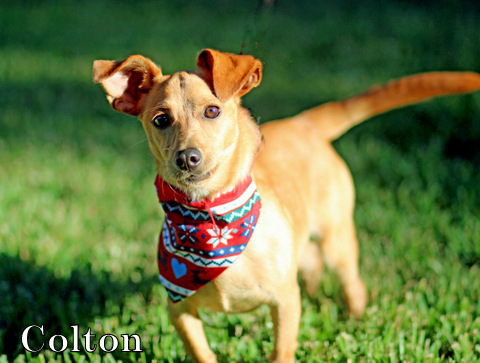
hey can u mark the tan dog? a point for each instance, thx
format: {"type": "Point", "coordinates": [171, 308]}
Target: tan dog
{"type": "Point", "coordinates": [204, 143]}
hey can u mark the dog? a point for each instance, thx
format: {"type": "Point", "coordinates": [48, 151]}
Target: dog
{"type": "Point", "coordinates": [265, 203]}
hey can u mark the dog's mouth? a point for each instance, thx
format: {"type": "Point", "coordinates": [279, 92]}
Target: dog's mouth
{"type": "Point", "coordinates": [193, 179]}
{"type": "Point", "coordinates": [196, 178]}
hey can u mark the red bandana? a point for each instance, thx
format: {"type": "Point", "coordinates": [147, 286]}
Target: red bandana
{"type": "Point", "coordinates": [200, 240]}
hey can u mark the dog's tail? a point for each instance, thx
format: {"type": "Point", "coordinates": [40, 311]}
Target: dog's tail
{"type": "Point", "coordinates": [335, 118]}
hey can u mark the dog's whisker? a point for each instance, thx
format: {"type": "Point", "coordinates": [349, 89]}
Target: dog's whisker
{"type": "Point", "coordinates": [136, 144]}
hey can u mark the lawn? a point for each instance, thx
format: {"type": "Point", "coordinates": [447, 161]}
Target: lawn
{"type": "Point", "coordinates": [78, 211]}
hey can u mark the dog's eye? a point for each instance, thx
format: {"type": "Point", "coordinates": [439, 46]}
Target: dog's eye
{"type": "Point", "coordinates": [161, 121]}
{"type": "Point", "coordinates": [211, 112]}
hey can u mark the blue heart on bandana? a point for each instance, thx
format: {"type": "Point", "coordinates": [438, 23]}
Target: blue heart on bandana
{"type": "Point", "coordinates": [179, 269]}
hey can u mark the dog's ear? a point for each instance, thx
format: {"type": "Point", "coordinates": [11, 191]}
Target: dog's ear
{"type": "Point", "coordinates": [126, 82]}
{"type": "Point", "coordinates": [229, 74]}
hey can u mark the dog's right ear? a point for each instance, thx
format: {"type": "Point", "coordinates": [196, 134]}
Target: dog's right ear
{"type": "Point", "coordinates": [126, 82]}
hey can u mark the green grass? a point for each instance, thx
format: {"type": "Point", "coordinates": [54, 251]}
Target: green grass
{"type": "Point", "coordinates": [78, 212]}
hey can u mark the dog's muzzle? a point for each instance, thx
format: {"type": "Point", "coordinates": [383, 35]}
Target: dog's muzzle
{"type": "Point", "coordinates": [188, 159]}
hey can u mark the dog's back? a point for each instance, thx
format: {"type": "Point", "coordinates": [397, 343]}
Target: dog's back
{"type": "Point", "coordinates": [298, 148]}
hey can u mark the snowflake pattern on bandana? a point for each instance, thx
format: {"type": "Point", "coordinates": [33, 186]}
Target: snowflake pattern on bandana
{"type": "Point", "coordinates": [200, 240]}
{"type": "Point", "coordinates": [187, 233]}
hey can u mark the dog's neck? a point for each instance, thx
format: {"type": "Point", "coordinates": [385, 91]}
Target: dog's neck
{"type": "Point", "coordinates": [246, 149]}
{"type": "Point", "coordinates": [168, 193]}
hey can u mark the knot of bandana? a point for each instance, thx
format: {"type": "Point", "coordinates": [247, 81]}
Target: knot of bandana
{"type": "Point", "coordinates": [201, 239]}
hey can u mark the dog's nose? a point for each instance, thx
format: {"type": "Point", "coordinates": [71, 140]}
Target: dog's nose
{"type": "Point", "coordinates": [188, 159]}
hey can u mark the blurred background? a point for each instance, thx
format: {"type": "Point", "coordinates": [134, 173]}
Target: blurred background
{"type": "Point", "coordinates": [78, 212]}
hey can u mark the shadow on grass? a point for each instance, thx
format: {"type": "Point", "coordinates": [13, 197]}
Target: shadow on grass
{"type": "Point", "coordinates": [33, 295]}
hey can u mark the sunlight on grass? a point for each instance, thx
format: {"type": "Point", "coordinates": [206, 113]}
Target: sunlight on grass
{"type": "Point", "coordinates": [24, 66]}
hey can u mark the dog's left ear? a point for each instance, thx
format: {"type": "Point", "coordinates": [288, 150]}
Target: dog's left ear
{"type": "Point", "coordinates": [126, 82]}
{"type": "Point", "coordinates": [229, 74]}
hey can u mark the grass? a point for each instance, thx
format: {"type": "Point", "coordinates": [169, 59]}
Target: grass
{"type": "Point", "coordinates": [78, 212]}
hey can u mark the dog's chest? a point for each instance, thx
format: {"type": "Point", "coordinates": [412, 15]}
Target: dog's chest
{"type": "Point", "coordinates": [237, 290]}
{"type": "Point", "coordinates": [258, 274]}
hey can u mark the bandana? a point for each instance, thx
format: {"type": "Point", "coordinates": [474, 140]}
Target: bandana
{"type": "Point", "coordinates": [201, 239]}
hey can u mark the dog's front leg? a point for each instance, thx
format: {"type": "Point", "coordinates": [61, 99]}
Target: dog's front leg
{"type": "Point", "coordinates": [286, 319]}
{"type": "Point", "coordinates": [190, 329]}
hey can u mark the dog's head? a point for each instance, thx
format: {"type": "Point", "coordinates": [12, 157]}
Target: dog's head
{"type": "Point", "coordinates": [202, 140]}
